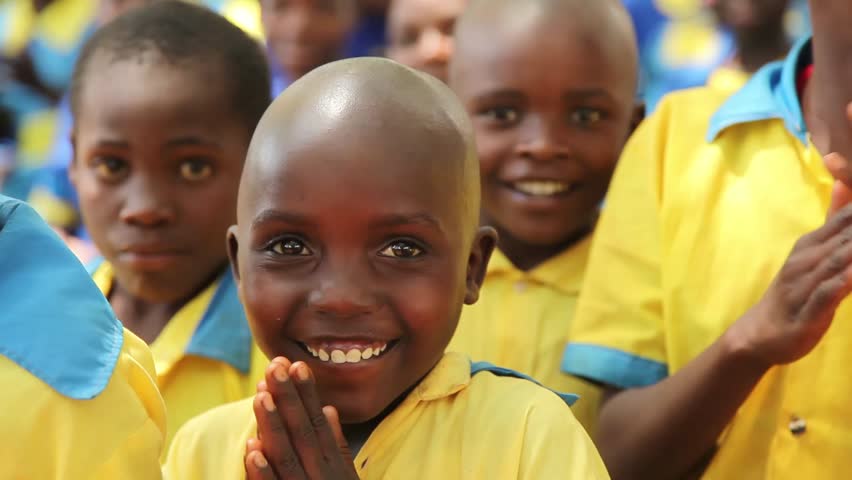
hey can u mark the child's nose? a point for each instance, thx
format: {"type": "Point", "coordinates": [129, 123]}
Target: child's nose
{"type": "Point", "coordinates": [435, 45]}
{"type": "Point", "coordinates": [541, 141]}
{"type": "Point", "coordinates": [146, 206]}
{"type": "Point", "coordinates": [342, 296]}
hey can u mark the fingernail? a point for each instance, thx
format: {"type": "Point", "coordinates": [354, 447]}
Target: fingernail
{"type": "Point", "coordinates": [280, 373]}
{"type": "Point", "coordinates": [302, 372]}
{"type": "Point", "coordinates": [259, 461]}
{"type": "Point", "coordinates": [267, 402]}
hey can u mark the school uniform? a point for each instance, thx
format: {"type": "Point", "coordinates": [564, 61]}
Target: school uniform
{"type": "Point", "coordinates": [522, 319]}
{"type": "Point", "coordinates": [205, 355]}
{"type": "Point", "coordinates": [705, 207]}
{"type": "Point", "coordinates": [79, 396]}
{"type": "Point", "coordinates": [463, 421]}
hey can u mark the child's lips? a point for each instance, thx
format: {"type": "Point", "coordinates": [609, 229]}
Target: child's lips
{"type": "Point", "coordinates": [347, 351]}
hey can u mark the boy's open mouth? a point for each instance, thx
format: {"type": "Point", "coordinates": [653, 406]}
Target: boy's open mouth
{"type": "Point", "coordinates": [542, 188]}
{"type": "Point", "coordinates": [348, 351]}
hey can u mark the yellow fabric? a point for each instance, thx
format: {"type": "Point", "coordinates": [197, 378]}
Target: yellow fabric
{"type": "Point", "coordinates": [191, 384]}
{"type": "Point", "coordinates": [727, 80]}
{"type": "Point", "coordinates": [450, 427]}
{"type": "Point", "coordinates": [55, 211]}
{"type": "Point", "coordinates": [118, 434]}
{"type": "Point", "coordinates": [63, 23]}
{"type": "Point", "coordinates": [692, 236]}
{"type": "Point", "coordinates": [522, 319]}
{"type": "Point", "coordinates": [19, 18]}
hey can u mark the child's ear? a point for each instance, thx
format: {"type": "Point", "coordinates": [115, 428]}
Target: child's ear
{"type": "Point", "coordinates": [477, 263]}
{"type": "Point", "coordinates": [233, 249]}
{"type": "Point", "coordinates": [639, 112]}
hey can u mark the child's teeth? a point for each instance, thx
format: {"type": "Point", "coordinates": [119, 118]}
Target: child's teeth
{"type": "Point", "coordinates": [323, 355]}
{"type": "Point", "coordinates": [338, 356]}
{"type": "Point", "coordinates": [353, 356]}
{"type": "Point", "coordinates": [366, 354]}
{"type": "Point", "coordinates": [542, 187]}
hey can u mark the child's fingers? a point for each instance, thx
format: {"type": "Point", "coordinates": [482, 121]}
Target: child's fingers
{"type": "Point", "coordinates": [296, 420]}
{"type": "Point", "coordinates": [275, 439]}
{"type": "Point", "coordinates": [333, 419]}
{"type": "Point", "coordinates": [257, 468]}
{"type": "Point", "coordinates": [306, 386]}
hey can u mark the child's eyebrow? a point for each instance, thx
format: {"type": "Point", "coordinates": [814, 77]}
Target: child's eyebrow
{"type": "Point", "coordinates": [397, 220]}
{"type": "Point", "coordinates": [277, 216]}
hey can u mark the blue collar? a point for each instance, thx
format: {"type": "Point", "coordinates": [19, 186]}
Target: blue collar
{"type": "Point", "coordinates": [55, 322]}
{"type": "Point", "coordinates": [770, 94]}
{"type": "Point", "coordinates": [477, 367]}
{"type": "Point", "coordinates": [223, 333]}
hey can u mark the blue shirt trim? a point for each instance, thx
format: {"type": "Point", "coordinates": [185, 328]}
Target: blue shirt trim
{"type": "Point", "coordinates": [224, 333]}
{"type": "Point", "coordinates": [611, 367]}
{"type": "Point", "coordinates": [55, 322]}
{"type": "Point", "coordinates": [770, 94]}
{"type": "Point", "coordinates": [476, 367]}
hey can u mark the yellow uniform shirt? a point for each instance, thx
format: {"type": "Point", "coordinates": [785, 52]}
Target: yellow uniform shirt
{"type": "Point", "coordinates": [79, 397]}
{"type": "Point", "coordinates": [704, 209]}
{"type": "Point", "coordinates": [727, 80]}
{"type": "Point", "coordinates": [453, 425]}
{"type": "Point", "coordinates": [205, 356]}
{"type": "Point", "coordinates": [521, 322]}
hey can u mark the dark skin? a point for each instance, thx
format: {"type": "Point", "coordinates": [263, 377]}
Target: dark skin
{"type": "Point", "coordinates": [157, 157]}
{"type": "Point", "coordinates": [420, 33]}
{"type": "Point", "coordinates": [665, 430]}
{"type": "Point", "coordinates": [388, 260]}
{"type": "Point", "coordinates": [552, 102]}
{"type": "Point", "coordinates": [758, 27]}
{"type": "Point", "coordinates": [304, 34]}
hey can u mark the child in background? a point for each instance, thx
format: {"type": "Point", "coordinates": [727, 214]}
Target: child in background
{"type": "Point", "coordinates": [420, 33]}
{"type": "Point", "coordinates": [304, 34]}
{"type": "Point", "coordinates": [715, 305]}
{"type": "Point", "coordinates": [81, 400]}
{"type": "Point", "coordinates": [550, 86]}
{"type": "Point", "coordinates": [353, 259]}
{"type": "Point", "coordinates": [758, 30]}
{"type": "Point", "coordinates": [165, 100]}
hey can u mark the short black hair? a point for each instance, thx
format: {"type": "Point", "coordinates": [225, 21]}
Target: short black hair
{"type": "Point", "coordinates": [184, 34]}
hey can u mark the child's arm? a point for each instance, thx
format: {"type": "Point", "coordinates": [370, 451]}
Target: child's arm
{"type": "Point", "coordinates": [664, 430]}
{"type": "Point", "coordinates": [299, 439]}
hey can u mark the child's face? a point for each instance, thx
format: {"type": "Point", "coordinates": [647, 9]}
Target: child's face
{"type": "Point", "coordinates": [552, 110]}
{"type": "Point", "coordinates": [304, 34]}
{"type": "Point", "coordinates": [748, 14]}
{"type": "Point", "coordinates": [158, 155]}
{"type": "Point", "coordinates": [421, 33]}
{"type": "Point", "coordinates": [353, 255]}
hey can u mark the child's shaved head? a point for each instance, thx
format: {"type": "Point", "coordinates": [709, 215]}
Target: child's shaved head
{"type": "Point", "coordinates": [604, 24]}
{"type": "Point", "coordinates": [357, 238]}
{"type": "Point", "coordinates": [370, 97]}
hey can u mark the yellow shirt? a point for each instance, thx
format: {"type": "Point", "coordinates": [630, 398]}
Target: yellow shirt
{"type": "Point", "coordinates": [452, 426]}
{"type": "Point", "coordinates": [521, 322]}
{"type": "Point", "coordinates": [727, 80]}
{"type": "Point", "coordinates": [79, 398]}
{"type": "Point", "coordinates": [694, 231]}
{"type": "Point", "coordinates": [205, 356]}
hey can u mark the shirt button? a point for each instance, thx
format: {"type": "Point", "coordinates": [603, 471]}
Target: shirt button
{"type": "Point", "coordinates": [520, 286]}
{"type": "Point", "coordinates": [798, 426]}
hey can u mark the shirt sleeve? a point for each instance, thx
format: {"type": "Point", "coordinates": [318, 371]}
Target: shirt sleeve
{"type": "Point", "coordinates": [617, 336]}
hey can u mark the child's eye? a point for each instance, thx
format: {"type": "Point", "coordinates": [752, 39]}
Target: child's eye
{"type": "Point", "coordinates": [195, 170]}
{"type": "Point", "coordinates": [586, 116]}
{"type": "Point", "coordinates": [291, 246]}
{"type": "Point", "coordinates": [109, 168]}
{"type": "Point", "coordinates": [401, 249]}
{"type": "Point", "coordinates": [502, 114]}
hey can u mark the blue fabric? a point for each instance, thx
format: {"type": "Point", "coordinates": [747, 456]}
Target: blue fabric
{"type": "Point", "coordinates": [55, 322]}
{"type": "Point", "coordinates": [223, 333]}
{"type": "Point", "coordinates": [611, 367]}
{"type": "Point", "coordinates": [476, 367]}
{"type": "Point", "coordinates": [368, 38]}
{"type": "Point", "coordinates": [770, 94]}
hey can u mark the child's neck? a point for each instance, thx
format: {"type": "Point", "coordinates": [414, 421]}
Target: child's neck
{"type": "Point", "coordinates": [526, 256]}
{"type": "Point", "coordinates": [756, 48]}
{"type": "Point", "coordinates": [146, 320]}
